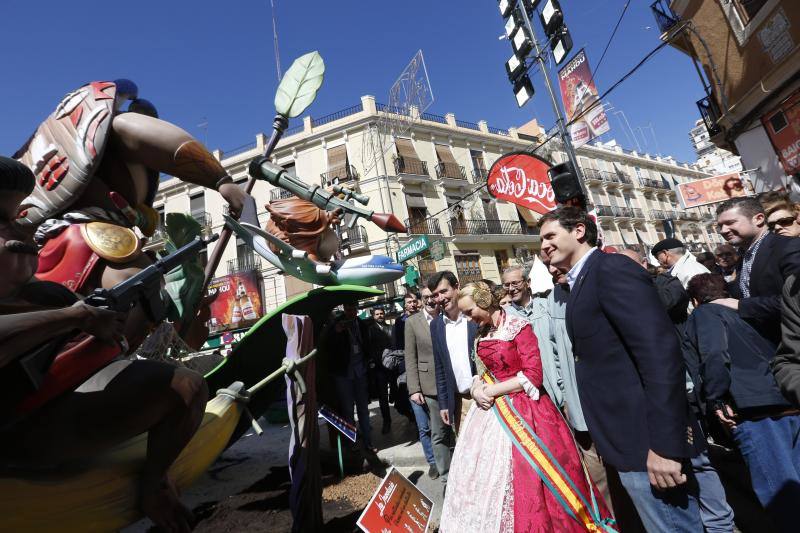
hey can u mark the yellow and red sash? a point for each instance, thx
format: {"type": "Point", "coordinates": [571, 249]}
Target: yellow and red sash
{"type": "Point", "coordinates": [545, 465]}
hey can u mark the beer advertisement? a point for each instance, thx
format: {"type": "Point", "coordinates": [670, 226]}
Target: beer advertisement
{"type": "Point", "coordinates": [578, 93]}
{"type": "Point", "coordinates": [238, 303]}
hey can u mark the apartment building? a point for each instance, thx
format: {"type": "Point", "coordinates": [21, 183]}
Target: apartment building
{"type": "Point", "coordinates": [421, 173]}
{"type": "Point", "coordinates": [710, 157]}
{"type": "Point", "coordinates": [747, 54]}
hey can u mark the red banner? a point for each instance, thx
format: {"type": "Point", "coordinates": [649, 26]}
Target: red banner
{"type": "Point", "coordinates": [521, 178]}
{"type": "Point", "coordinates": [783, 128]}
{"type": "Point", "coordinates": [579, 94]}
{"type": "Point", "coordinates": [239, 303]}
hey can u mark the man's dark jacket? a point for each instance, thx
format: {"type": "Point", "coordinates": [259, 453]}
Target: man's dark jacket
{"type": "Point", "coordinates": [446, 388]}
{"type": "Point", "coordinates": [786, 364]}
{"type": "Point", "coordinates": [628, 364]}
{"type": "Point", "coordinates": [778, 257]}
{"type": "Point", "coordinates": [336, 346]}
{"type": "Point", "coordinates": [734, 359]}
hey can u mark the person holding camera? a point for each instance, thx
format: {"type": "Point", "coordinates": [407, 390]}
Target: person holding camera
{"type": "Point", "coordinates": [347, 345]}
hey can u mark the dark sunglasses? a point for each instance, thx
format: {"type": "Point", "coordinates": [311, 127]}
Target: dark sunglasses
{"type": "Point", "coordinates": [782, 222]}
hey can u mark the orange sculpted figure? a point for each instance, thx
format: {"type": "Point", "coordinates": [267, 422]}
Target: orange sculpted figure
{"type": "Point", "coordinates": [304, 226]}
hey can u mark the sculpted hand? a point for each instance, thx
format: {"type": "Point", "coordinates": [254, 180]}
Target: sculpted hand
{"type": "Point", "coordinates": [445, 414]}
{"type": "Point", "coordinates": [664, 473]}
{"type": "Point", "coordinates": [417, 398]}
{"type": "Point", "coordinates": [235, 196]}
{"type": "Point", "coordinates": [108, 326]}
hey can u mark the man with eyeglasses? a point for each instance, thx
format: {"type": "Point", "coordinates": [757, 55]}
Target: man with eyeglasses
{"type": "Point", "coordinates": [727, 259]}
{"type": "Point", "coordinates": [533, 308]}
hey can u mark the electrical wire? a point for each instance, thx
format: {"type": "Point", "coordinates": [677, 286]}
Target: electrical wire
{"type": "Point", "coordinates": [611, 38]}
{"type": "Point", "coordinates": [533, 147]}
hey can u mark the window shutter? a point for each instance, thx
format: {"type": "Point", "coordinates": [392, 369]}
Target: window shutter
{"type": "Point", "coordinates": [337, 157]}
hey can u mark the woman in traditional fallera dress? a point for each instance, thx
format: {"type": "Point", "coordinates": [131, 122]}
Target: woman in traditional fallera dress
{"type": "Point", "coordinates": [515, 466]}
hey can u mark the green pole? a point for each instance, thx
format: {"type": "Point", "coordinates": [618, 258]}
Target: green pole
{"type": "Point", "coordinates": [339, 447]}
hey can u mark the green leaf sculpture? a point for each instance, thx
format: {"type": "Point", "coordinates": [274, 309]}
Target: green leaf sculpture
{"type": "Point", "coordinates": [299, 85]}
{"type": "Point", "coordinates": [184, 283]}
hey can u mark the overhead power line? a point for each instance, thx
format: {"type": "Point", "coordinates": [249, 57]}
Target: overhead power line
{"type": "Point", "coordinates": [533, 147]}
{"type": "Point", "coordinates": [611, 38]}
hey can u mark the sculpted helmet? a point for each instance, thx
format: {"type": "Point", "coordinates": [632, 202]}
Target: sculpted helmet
{"type": "Point", "coordinates": [66, 149]}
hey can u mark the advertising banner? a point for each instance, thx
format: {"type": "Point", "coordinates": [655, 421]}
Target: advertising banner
{"type": "Point", "coordinates": [345, 428]}
{"type": "Point", "coordinates": [578, 93]}
{"type": "Point", "coordinates": [398, 506]}
{"type": "Point", "coordinates": [521, 178]}
{"type": "Point", "coordinates": [239, 303]}
{"type": "Point", "coordinates": [711, 190]}
{"type": "Point", "coordinates": [783, 129]}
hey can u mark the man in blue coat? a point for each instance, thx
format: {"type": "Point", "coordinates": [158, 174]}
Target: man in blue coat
{"type": "Point", "coordinates": [630, 373]}
{"type": "Point", "coordinates": [453, 337]}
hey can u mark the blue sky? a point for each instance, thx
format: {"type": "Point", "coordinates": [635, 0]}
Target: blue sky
{"type": "Point", "coordinates": [216, 60]}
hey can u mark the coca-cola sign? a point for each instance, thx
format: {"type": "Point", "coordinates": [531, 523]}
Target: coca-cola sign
{"type": "Point", "coordinates": [521, 178]}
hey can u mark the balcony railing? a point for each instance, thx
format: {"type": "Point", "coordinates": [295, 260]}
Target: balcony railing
{"type": "Point", "coordinates": [430, 117]}
{"type": "Point", "coordinates": [244, 263]}
{"type": "Point", "coordinates": [620, 211]}
{"type": "Point", "coordinates": [339, 175]}
{"type": "Point", "coordinates": [484, 227]}
{"type": "Point", "coordinates": [203, 217]}
{"type": "Point", "coordinates": [426, 226]}
{"type": "Point", "coordinates": [479, 174]}
{"type": "Point", "coordinates": [279, 194]}
{"type": "Point", "coordinates": [356, 237]}
{"type": "Point", "coordinates": [591, 174]}
{"type": "Point", "coordinates": [450, 170]}
{"type": "Point", "coordinates": [498, 131]}
{"type": "Point", "coordinates": [238, 150]}
{"type": "Point", "coordinates": [336, 116]}
{"type": "Point", "coordinates": [467, 125]}
{"type": "Point", "coordinates": [665, 17]}
{"type": "Point", "coordinates": [710, 112]}
{"type": "Point", "coordinates": [411, 166]}
{"type": "Point", "coordinates": [658, 214]}
{"type": "Point", "coordinates": [695, 246]}
{"type": "Point", "coordinates": [468, 274]}
{"type": "Point", "coordinates": [637, 213]}
{"type": "Point", "coordinates": [604, 210]}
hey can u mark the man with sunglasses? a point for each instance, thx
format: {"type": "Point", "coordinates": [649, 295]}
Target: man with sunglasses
{"type": "Point", "coordinates": [767, 261]}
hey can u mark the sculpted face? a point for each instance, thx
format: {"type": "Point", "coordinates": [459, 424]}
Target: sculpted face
{"type": "Point", "coordinates": [18, 255]}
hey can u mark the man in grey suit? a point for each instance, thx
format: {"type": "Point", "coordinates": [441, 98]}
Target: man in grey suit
{"type": "Point", "coordinates": [421, 380]}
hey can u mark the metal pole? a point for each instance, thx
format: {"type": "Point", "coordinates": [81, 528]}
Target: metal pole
{"type": "Point", "coordinates": [560, 122]}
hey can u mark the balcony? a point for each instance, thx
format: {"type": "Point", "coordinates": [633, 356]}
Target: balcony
{"type": "Point", "coordinates": [625, 180]}
{"type": "Point", "coordinates": [279, 194]}
{"type": "Point", "coordinates": [623, 212]}
{"type": "Point", "coordinates": [411, 170]}
{"type": "Point", "coordinates": [637, 213]}
{"type": "Point", "coordinates": [604, 210]}
{"type": "Point", "coordinates": [356, 239]}
{"type": "Point", "coordinates": [244, 263]}
{"type": "Point", "coordinates": [479, 174]}
{"type": "Point", "coordinates": [339, 175]}
{"type": "Point", "coordinates": [451, 171]}
{"type": "Point", "coordinates": [484, 227]}
{"type": "Point", "coordinates": [657, 214]}
{"type": "Point", "coordinates": [336, 116]}
{"type": "Point", "coordinates": [426, 226]}
{"type": "Point", "coordinates": [710, 112]}
{"type": "Point", "coordinates": [665, 17]}
{"type": "Point", "coordinates": [468, 274]}
{"type": "Point", "coordinates": [592, 175]}
{"type": "Point", "coordinates": [696, 247]}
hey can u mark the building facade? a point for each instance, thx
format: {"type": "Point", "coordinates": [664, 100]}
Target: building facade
{"type": "Point", "coordinates": [747, 53]}
{"type": "Point", "coordinates": [422, 172]}
{"type": "Point", "coordinates": [710, 157]}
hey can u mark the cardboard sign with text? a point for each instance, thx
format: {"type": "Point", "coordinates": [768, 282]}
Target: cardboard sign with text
{"type": "Point", "coordinates": [711, 190]}
{"type": "Point", "coordinates": [397, 506]}
{"type": "Point", "coordinates": [521, 178]}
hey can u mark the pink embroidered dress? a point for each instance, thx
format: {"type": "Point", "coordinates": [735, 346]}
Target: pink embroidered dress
{"type": "Point", "coordinates": [491, 486]}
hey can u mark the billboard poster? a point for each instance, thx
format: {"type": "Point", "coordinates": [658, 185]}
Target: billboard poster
{"type": "Point", "coordinates": [238, 304]}
{"type": "Point", "coordinates": [521, 178]}
{"type": "Point", "coordinates": [578, 93]}
{"type": "Point", "coordinates": [783, 129]}
{"type": "Point", "coordinates": [397, 506]}
{"type": "Point", "coordinates": [711, 190]}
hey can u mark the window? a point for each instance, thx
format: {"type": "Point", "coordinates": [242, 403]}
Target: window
{"type": "Point", "coordinates": [747, 9]}
{"type": "Point", "coordinates": [338, 166]}
{"type": "Point", "coordinates": [468, 267]}
{"type": "Point", "coordinates": [478, 165]}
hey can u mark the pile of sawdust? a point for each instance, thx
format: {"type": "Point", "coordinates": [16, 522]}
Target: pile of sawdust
{"type": "Point", "coordinates": [355, 490]}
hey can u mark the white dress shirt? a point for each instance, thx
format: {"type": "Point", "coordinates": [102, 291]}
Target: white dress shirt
{"type": "Point", "coordinates": [572, 275]}
{"type": "Point", "coordinates": [456, 334]}
{"type": "Point", "coordinates": [429, 317]}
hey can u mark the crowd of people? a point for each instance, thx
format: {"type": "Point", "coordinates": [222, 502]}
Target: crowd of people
{"type": "Point", "coordinates": [655, 392]}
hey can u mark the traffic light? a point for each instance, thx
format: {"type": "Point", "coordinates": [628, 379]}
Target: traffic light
{"type": "Point", "coordinates": [556, 31]}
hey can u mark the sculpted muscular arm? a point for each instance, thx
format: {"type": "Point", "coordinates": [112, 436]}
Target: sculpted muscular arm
{"type": "Point", "coordinates": [21, 332]}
